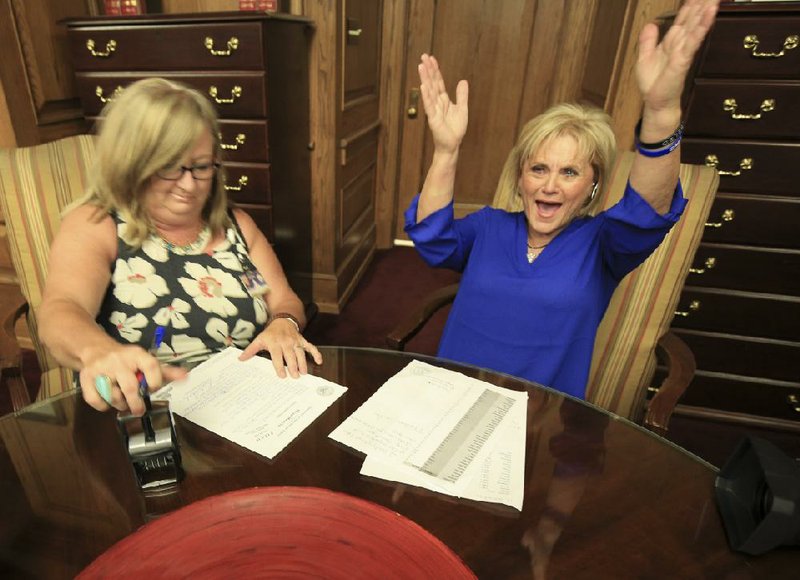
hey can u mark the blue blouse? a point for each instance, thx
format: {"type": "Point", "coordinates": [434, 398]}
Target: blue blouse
{"type": "Point", "coordinates": [537, 321]}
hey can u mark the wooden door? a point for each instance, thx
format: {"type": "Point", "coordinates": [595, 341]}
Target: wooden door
{"type": "Point", "coordinates": [519, 56]}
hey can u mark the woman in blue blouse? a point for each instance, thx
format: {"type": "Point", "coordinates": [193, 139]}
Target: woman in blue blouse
{"type": "Point", "coordinates": [539, 273]}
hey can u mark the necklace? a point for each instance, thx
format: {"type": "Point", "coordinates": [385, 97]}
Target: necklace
{"type": "Point", "coordinates": [193, 247]}
{"type": "Point", "coordinates": [534, 251]}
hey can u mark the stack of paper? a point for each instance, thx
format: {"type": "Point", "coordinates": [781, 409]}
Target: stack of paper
{"type": "Point", "coordinates": [247, 403]}
{"type": "Point", "coordinates": [444, 431]}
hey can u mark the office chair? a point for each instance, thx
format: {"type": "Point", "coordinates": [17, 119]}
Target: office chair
{"type": "Point", "coordinates": [637, 321]}
{"type": "Point", "coordinates": [36, 184]}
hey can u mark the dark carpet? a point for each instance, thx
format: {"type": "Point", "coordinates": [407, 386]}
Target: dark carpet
{"type": "Point", "coordinates": [396, 282]}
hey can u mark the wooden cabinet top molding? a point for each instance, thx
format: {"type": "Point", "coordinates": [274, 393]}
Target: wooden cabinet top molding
{"type": "Point", "coordinates": [194, 18]}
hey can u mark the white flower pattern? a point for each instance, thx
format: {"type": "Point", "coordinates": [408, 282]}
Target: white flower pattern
{"type": "Point", "coordinates": [211, 289]}
{"type": "Point", "coordinates": [136, 282]}
{"type": "Point", "coordinates": [209, 305]}
{"type": "Point", "coordinates": [262, 314]}
{"type": "Point", "coordinates": [173, 315]}
{"type": "Point", "coordinates": [128, 327]}
{"type": "Point", "coordinates": [240, 336]}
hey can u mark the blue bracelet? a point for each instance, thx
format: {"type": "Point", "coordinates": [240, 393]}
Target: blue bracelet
{"type": "Point", "coordinates": [667, 151]}
{"type": "Point", "coordinates": [664, 147]}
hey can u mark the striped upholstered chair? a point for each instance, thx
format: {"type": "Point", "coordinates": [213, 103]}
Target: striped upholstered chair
{"type": "Point", "coordinates": [637, 321]}
{"type": "Point", "coordinates": [36, 183]}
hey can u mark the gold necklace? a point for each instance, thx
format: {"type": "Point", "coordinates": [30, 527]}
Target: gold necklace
{"type": "Point", "coordinates": [534, 251]}
{"type": "Point", "coordinates": [193, 247]}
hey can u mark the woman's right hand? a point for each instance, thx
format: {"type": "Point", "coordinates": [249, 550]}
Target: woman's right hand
{"type": "Point", "coordinates": [447, 120]}
{"type": "Point", "coordinates": [120, 365]}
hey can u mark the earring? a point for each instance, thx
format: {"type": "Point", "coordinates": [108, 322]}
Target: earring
{"type": "Point", "coordinates": [594, 192]}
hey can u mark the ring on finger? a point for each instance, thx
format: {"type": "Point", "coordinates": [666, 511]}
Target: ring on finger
{"type": "Point", "coordinates": [300, 346]}
{"type": "Point", "coordinates": [103, 385]}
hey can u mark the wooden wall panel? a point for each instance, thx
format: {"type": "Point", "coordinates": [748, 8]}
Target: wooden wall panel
{"type": "Point", "coordinates": [623, 102]}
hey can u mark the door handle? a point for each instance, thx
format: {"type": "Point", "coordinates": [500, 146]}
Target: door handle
{"type": "Point", "coordinates": [413, 103]}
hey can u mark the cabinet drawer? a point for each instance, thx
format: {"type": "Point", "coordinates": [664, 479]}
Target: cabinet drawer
{"type": "Point", "coordinates": [235, 95]}
{"type": "Point", "coordinates": [743, 313]}
{"type": "Point", "coordinates": [217, 46]}
{"type": "Point", "coordinates": [739, 395]}
{"type": "Point", "coordinates": [244, 141]}
{"type": "Point", "coordinates": [735, 43]}
{"type": "Point", "coordinates": [747, 166]}
{"type": "Point", "coordinates": [746, 268]}
{"type": "Point", "coordinates": [248, 183]}
{"type": "Point", "coordinates": [721, 353]}
{"type": "Point", "coordinates": [752, 219]}
{"type": "Point", "coordinates": [744, 110]}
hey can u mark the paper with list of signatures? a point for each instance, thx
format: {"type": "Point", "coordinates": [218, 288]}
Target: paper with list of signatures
{"type": "Point", "coordinates": [426, 426]}
{"type": "Point", "coordinates": [444, 431]}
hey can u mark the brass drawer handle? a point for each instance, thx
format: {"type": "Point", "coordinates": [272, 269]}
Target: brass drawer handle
{"type": "Point", "coordinates": [240, 139]}
{"type": "Point", "coordinates": [355, 33]}
{"type": "Point", "coordinates": [745, 164]}
{"type": "Point", "coordinates": [794, 402]}
{"type": "Point", "coordinates": [236, 92]}
{"type": "Point", "coordinates": [242, 184]}
{"type": "Point", "coordinates": [730, 106]}
{"type": "Point", "coordinates": [694, 306]}
{"type": "Point", "coordinates": [751, 43]}
{"type": "Point", "coordinates": [103, 99]}
{"type": "Point", "coordinates": [111, 46]}
{"type": "Point", "coordinates": [709, 264]}
{"type": "Point", "coordinates": [233, 45]}
{"type": "Point", "coordinates": [727, 216]}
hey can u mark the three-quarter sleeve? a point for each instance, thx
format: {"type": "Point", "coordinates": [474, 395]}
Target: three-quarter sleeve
{"type": "Point", "coordinates": [441, 240]}
{"type": "Point", "coordinates": [632, 229]}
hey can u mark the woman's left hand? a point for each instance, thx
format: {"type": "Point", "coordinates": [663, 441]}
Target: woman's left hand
{"type": "Point", "coordinates": [286, 347]}
{"type": "Point", "coordinates": [661, 67]}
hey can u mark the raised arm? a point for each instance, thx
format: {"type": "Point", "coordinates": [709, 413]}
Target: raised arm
{"type": "Point", "coordinates": [661, 70]}
{"type": "Point", "coordinates": [448, 124]}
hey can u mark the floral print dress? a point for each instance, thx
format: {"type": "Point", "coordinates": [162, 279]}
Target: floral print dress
{"type": "Point", "coordinates": [198, 296]}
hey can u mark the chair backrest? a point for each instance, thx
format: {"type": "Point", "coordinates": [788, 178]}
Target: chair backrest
{"type": "Point", "coordinates": [644, 304]}
{"type": "Point", "coordinates": [36, 184]}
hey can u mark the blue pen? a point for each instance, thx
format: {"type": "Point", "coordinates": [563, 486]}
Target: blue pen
{"type": "Point", "coordinates": [144, 391]}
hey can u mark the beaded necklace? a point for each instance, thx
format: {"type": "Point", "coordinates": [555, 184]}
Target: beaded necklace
{"type": "Point", "coordinates": [193, 247]}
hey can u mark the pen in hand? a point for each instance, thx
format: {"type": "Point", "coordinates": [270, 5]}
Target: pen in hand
{"type": "Point", "coordinates": [144, 391]}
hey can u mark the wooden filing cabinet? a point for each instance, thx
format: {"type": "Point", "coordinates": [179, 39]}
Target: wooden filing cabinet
{"type": "Point", "coordinates": [254, 68]}
{"type": "Point", "coordinates": [740, 309]}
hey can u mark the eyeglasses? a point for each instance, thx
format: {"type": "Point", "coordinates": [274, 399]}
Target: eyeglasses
{"type": "Point", "coordinates": [201, 172]}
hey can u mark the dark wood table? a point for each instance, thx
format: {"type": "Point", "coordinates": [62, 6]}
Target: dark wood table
{"type": "Point", "coordinates": [603, 497]}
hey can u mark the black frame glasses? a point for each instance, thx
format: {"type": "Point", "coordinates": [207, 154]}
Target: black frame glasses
{"type": "Point", "coordinates": [200, 172]}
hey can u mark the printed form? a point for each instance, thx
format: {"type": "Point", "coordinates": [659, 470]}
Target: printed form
{"type": "Point", "coordinates": [247, 403]}
{"type": "Point", "coordinates": [444, 431]}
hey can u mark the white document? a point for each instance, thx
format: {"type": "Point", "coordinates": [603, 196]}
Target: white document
{"type": "Point", "coordinates": [247, 403]}
{"type": "Point", "coordinates": [444, 431]}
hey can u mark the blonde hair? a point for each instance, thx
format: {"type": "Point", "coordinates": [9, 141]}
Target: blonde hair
{"type": "Point", "coordinates": [151, 124]}
{"type": "Point", "coordinates": [588, 125]}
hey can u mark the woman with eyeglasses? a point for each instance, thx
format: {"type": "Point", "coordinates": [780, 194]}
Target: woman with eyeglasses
{"type": "Point", "coordinates": [154, 270]}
